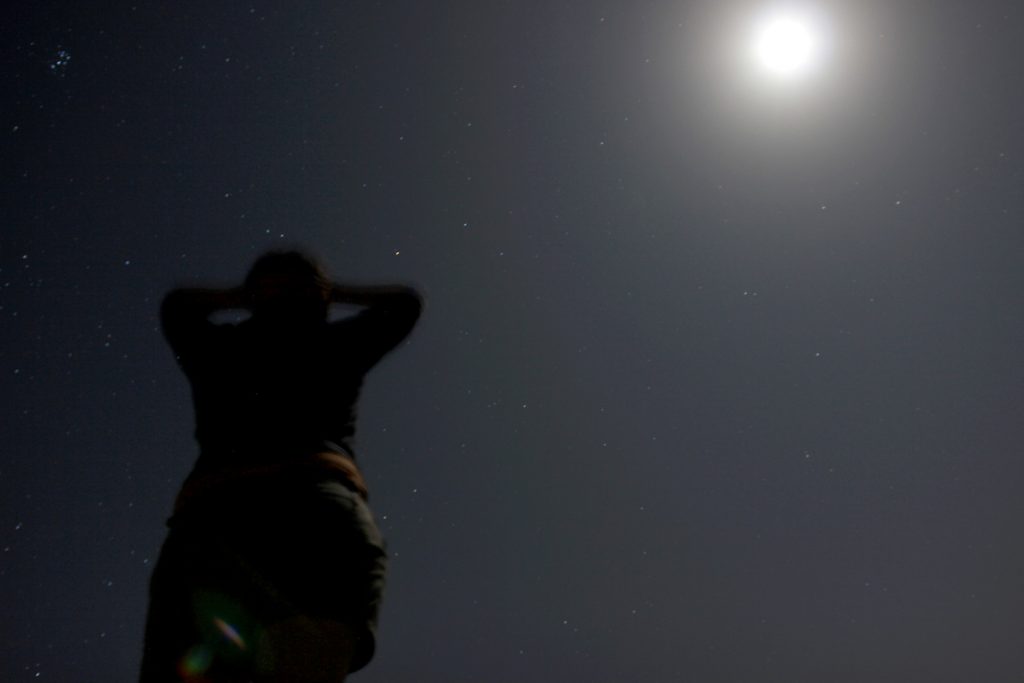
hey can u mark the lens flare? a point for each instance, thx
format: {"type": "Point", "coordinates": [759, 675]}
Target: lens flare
{"type": "Point", "coordinates": [195, 663]}
{"type": "Point", "coordinates": [229, 632]}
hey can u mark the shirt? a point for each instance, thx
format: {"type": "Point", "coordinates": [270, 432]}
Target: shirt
{"type": "Point", "coordinates": [265, 393]}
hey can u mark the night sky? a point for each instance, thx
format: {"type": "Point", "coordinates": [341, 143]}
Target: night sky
{"type": "Point", "coordinates": [719, 377]}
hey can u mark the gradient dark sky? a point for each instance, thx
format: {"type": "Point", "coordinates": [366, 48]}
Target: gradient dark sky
{"type": "Point", "coordinates": [718, 381]}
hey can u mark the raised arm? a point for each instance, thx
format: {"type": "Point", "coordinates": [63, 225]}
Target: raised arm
{"type": "Point", "coordinates": [185, 313]}
{"type": "Point", "coordinates": [391, 313]}
{"type": "Point", "coordinates": [383, 296]}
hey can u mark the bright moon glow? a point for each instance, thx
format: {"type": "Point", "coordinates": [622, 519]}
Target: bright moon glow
{"type": "Point", "coordinates": [786, 45]}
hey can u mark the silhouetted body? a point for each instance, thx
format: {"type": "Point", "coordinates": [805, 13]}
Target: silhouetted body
{"type": "Point", "coordinates": [273, 568]}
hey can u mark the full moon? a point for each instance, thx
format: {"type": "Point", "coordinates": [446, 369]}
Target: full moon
{"type": "Point", "coordinates": [786, 45]}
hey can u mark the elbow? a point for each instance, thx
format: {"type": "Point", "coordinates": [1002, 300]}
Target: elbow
{"type": "Point", "coordinates": [412, 303]}
{"type": "Point", "coordinates": [406, 307]}
{"type": "Point", "coordinates": [416, 302]}
{"type": "Point", "coordinates": [171, 313]}
{"type": "Point", "coordinates": [171, 306]}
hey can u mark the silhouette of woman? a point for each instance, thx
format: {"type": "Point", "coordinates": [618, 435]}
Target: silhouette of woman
{"type": "Point", "coordinates": [273, 567]}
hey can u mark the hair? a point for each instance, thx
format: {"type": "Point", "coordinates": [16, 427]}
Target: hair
{"type": "Point", "coordinates": [289, 263]}
{"type": "Point", "coordinates": [306, 287]}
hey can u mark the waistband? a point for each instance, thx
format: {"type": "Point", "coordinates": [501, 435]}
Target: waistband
{"type": "Point", "coordinates": [325, 463]}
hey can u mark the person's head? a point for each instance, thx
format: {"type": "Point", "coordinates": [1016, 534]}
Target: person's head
{"type": "Point", "coordinates": [287, 285]}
